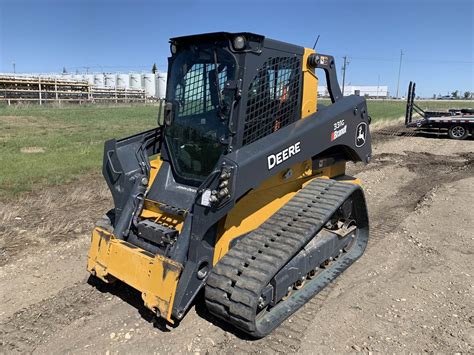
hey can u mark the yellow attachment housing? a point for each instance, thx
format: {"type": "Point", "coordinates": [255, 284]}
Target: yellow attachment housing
{"type": "Point", "coordinates": [156, 277]}
{"type": "Point", "coordinates": [310, 87]}
{"type": "Point", "coordinates": [151, 209]}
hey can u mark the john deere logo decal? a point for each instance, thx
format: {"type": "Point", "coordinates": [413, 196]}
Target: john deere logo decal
{"type": "Point", "coordinates": [280, 157]}
{"type": "Point", "coordinates": [361, 134]}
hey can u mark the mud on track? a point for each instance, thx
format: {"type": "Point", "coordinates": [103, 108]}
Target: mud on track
{"type": "Point", "coordinates": [410, 291]}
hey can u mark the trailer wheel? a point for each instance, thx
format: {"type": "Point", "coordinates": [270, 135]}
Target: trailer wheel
{"type": "Point", "coordinates": [458, 132]}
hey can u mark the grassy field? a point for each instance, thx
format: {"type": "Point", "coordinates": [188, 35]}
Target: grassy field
{"type": "Point", "coordinates": [42, 146]}
{"type": "Point", "coordinates": [47, 146]}
{"type": "Point", "coordinates": [390, 110]}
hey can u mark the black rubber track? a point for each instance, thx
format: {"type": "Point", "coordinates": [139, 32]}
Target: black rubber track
{"type": "Point", "coordinates": [235, 284]}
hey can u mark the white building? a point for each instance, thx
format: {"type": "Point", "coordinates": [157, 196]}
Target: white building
{"type": "Point", "coordinates": [380, 91]}
{"type": "Point", "coordinates": [153, 84]}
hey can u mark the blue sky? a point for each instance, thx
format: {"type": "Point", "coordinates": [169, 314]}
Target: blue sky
{"type": "Point", "coordinates": [437, 36]}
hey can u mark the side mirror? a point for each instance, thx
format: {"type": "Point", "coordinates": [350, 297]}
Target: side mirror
{"type": "Point", "coordinates": [169, 113]}
{"type": "Point", "coordinates": [161, 117]}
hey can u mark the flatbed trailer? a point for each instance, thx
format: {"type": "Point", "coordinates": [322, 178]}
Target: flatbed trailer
{"type": "Point", "coordinates": [458, 122]}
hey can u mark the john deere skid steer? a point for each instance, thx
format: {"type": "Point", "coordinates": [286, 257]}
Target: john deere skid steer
{"type": "Point", "coordinates": [241, 190]}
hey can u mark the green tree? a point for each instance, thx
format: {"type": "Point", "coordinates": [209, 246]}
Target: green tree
{"type": "Point", "coordinates": [455, 94]}
{"type": "Point", "coordinates": [154, 69]}
{"type": "Point", "coordinates": [467, 95]}
{"type": "Point", "coordinates": [64, 70]}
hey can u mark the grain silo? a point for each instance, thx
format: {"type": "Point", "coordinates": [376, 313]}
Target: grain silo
{"type": "Point", "coordinates": [99, 80]}
{"type": "Point", "coordinates": [149, 84]}
{"type": "Point", "coordinates": [89, 78]}
{"type": "Point", "coordinates": [135, 81]}
{"type": "Point", "coordinates": [160, 85]}
{"type": "Point", "coordinates": [78, 77]}
{"type": "Point", "coordinates": [110, 80]}
{"type": "Point", "coordinates": [123, 81]}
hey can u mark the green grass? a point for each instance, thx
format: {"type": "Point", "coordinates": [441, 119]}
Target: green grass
{"type": "Point", "coordinates": [393, 109]}
{"type": "Point", "coordinates": [48, 146]}
{"type": "Point", "coordinates": [42, 146]}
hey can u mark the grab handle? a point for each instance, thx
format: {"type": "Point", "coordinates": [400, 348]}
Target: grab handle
{"type": "Point", "coordinates": [111, 164]}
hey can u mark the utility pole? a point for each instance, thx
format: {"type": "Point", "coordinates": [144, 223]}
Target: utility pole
{"type": "Point", "coordinates": [399, 71]}
{"type": "Point", "coordinates": [344, 67]}
{"type": "Point", "coordinates": [14, 67]}
{"type": "Point", "coordinates": [378, 85]}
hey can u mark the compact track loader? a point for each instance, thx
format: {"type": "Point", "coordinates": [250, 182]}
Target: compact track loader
{"type": "Point", "coordinates": [241, 189]}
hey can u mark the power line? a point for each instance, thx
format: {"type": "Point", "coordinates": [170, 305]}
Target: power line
{"type": "Point", "coordinates": [102, 67]}
{"type": "Point", "coordinates": [316, 42]}
{"type": "Point", "coordinates": [408, 60]}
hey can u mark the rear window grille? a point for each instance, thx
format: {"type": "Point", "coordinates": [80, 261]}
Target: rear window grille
{"type": "Point", "coordinates": [273, 98]}
{"type": "Point", "coordinates": [195, 95]}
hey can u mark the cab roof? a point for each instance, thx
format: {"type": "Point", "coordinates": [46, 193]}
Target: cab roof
{"type": "Point", "coordinates": [215, 36]}
{"type": "Point", "coordinates": [219, 36]}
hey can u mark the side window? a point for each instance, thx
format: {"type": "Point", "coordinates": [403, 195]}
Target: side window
{"type": "Point", "coordinates": [272, 98]}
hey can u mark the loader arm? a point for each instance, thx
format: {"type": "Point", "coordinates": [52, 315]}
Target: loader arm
{"type": "Point", "coordinates": [126, 169]}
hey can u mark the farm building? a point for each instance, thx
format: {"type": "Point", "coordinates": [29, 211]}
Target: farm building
{"type": "Point", "coordinates": [380, 91]}
{"type": "Point", "coordinates": [91, 87]}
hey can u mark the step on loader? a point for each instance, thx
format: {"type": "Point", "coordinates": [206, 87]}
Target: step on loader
{"type": "Point", "coordinates": [240, 192]}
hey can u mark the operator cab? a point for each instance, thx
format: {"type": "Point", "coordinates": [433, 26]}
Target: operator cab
{"type": "Point", "coordinates": [224, 91]}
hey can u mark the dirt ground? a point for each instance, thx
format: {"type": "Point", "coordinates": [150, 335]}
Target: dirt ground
{"type": "Point", "coordinates": [411, 291]}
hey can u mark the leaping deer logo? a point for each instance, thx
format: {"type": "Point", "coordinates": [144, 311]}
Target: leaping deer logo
{"type": "Point", "coordinates": [360, 137]}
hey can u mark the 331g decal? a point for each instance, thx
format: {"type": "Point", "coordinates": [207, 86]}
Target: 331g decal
{"type": "Point", "coordinates": [340, 128]}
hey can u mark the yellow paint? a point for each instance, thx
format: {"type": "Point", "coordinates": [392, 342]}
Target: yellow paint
{"type": "Point", "coordinates": [310, 87]}
{"type": "Point", "coordinates": [332, 171]}
{"type": "Point", "coordinates": [156, 277]}
{"type": "Point", "coordinates": [355, 181]}
{"type": "Point", "coordinates": [155, 167]}
{"type": "Point", "coordinates": [151, 209]}
{"type": "Point", "coordinates": [260, 204]}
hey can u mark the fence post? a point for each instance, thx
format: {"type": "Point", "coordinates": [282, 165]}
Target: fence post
{"type": "Point", "coordinates": [89, 95]}
{"type": "Point", "coordinates": [39, 88]}
{"type": "Point", "coordinates": [56, 88]}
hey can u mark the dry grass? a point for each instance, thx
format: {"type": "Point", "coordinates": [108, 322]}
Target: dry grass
{"type": "Point", "coordinates": [386, 123]}
{"type": "Point", "coordinates": [32, 150]}
{"type": "Point", "coordinates": [51, 215]}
